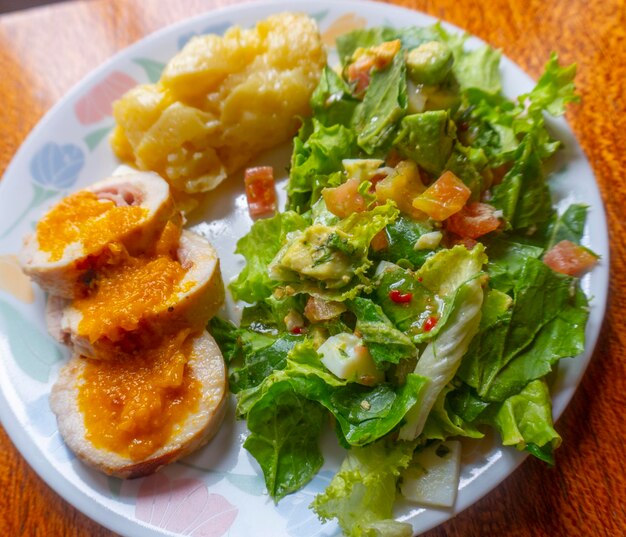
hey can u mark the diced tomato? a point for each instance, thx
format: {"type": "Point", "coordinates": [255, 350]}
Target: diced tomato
{"type": "Point", "coordinates": [379, 57]}
{"type": "Point", "coordinates": [399, 297]}
{"type": "Point", "coordinates": [260, 190]}
{"type": "Point", "coordinates": [446, 196]}
{"type": "Point", "coordinates": [344, 199]}
{"type": "Point", "coordinates": [569, 258]}
{"type": "Point", "coordinates": [359, 73]}
{"type": "Point", "coordinates": [474, 220]}
{"type": "Point", "coordinates": [379, 242]}
{"type": "Point", "coordinates": [429, 323]}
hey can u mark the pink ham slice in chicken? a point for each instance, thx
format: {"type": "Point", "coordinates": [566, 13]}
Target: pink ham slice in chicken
{"type": "Point", "coordinates": [70, 274]}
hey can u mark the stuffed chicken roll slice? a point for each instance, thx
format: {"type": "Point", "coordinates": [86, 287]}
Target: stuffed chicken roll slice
{"type": "Point", "coordinates": [132, 305]}
{"type": "Point", "coordinates": [130, 417]}
{"type": "Point", "coordinates": [96, 227]}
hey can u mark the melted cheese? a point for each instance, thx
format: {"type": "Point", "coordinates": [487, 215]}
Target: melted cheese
{"type": "Point", "coordinates": [85, 219]}
{"type": "Point", "coordinates": [133, 405]}
{"type": "Point", "coordinates": [127, 293]}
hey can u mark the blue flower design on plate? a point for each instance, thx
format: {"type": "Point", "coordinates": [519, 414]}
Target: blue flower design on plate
{"type": "Point", "coordinates": [214, 29]}
{"type": "Point", "coordinates": [53, 168]}
{"type": "Point", "coordinates": [301, 520]}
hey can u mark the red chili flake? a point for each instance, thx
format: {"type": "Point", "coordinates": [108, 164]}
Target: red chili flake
{"type": "Point", "coordinates": [297, 330]}
{"type": "Point", "coordinates": [399, 297]}
{"type": "Point", "coordinates": [430, 323]}
{"type": "Point", "coordinates": [420, 279]}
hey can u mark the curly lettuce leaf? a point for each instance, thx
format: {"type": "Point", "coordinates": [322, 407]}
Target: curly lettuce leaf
{"type": "Point", "coordinates": [525, 421]}
{"type": "Point", "coordinates": [554, 90]}
{"type": "Point", "coordinates": [259, 246]}
{"type": "Point", "coordinates": [362, 493]}
{"type": "Point", "coordinates": [316, 162]}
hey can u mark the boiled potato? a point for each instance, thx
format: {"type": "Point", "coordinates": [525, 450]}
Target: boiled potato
{"type": "Point", "coordinates": [221, 101]}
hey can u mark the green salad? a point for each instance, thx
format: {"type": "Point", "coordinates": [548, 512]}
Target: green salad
{"type": "Point", "coordinates": [419, 287]}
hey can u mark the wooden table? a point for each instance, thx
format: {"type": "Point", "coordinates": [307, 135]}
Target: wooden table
{"type": "Point", "coordinates": [45, 51]}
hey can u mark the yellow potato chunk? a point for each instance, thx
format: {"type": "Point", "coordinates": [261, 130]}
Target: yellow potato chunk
{"type": "Point", "coordinates": [221, 101]}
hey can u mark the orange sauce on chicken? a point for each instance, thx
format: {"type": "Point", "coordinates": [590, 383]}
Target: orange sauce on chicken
{"type": "Point", "coordinates": [126, 293]}
{"type": "Point", "coordinates": [83, 218]}
{"type": "Point", "coordinates": [133, 405]}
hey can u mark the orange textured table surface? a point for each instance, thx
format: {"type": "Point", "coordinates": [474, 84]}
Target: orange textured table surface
{"type": "Point", "coordinates": [45, 51]}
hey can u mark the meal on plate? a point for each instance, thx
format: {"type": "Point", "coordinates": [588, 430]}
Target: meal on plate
{"type": "Point", "coordinates": [220, 102]}
{"type": "Point", "coordinates": [420, 286]}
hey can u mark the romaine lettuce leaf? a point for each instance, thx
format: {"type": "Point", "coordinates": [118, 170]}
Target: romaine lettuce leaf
{"type": "Point", "coordinates": [442, 356]}
{"type": "Point", "coordinates": [259, 246]}
{"type": "Point", "coordinates": [284, 438]}
{"type": "Point", "coordinates": [545, 317]}
{"type": "Point", "coordinates": [383, 106]}
{"type": "Point", "coordinates": [562, 337]}
{"type": "Point", "coordinates": [331, 102]}
{"type": "Point", "coordinates": [260, 363]}
{"type": "Point", "coordinates": [364, 414]}
{"type": "Point", "coordinates": [507, 257]}
{"type": "Point", "coordinates": [385, 342]}
{"type": "Point", "coordinates": [523, 196]}
{"type": "Point", "coordinates": [443, 422]}
{"type": "Point", "coordinates": [568, 226]}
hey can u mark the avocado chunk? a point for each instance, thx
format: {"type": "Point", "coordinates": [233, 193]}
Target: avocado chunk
{"type": "Point", "coordinates": [317, 253]}
{"type": "Point", "coordinates": [429, 63]}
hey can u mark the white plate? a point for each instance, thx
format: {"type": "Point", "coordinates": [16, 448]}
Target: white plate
{"type": "Point", "coordinates": [219, 490]}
